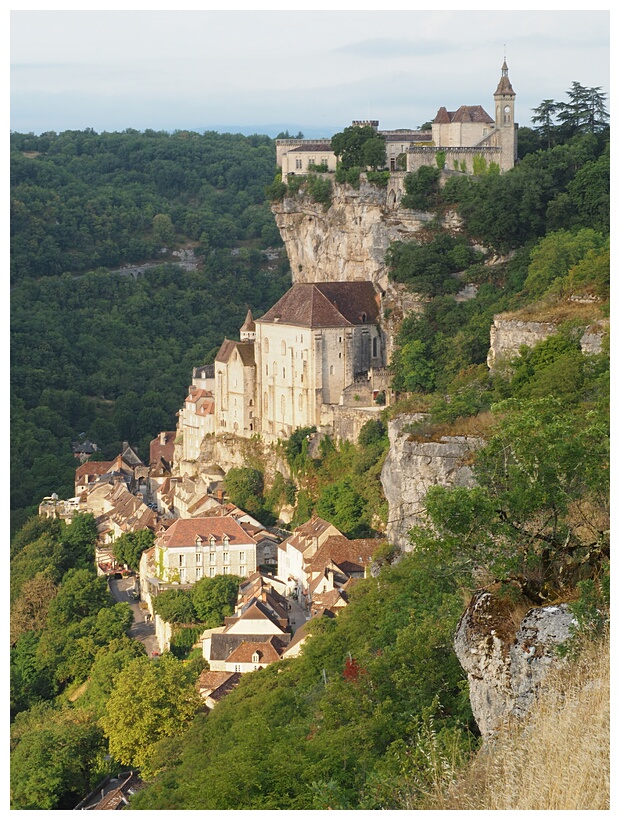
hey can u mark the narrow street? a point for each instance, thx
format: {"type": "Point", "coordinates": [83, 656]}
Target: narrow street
{"type": "Point", "coordinates": [141, 629]}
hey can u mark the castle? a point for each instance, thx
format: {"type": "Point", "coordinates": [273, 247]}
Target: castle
{"type": "Point", "coordinates": [458, 135]}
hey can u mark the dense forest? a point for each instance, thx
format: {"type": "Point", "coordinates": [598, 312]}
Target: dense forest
{"type": "Point", "coordinates": [106, 354]}
{"type": "Point", "coordinates": [375, 712]}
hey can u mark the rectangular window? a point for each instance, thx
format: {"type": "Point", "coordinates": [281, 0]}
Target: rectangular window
{"type": "Point", "coordinates": [237, 667]}
{"type": "Point", "coordinates": [242, 556]}
{"type": "Point", "coordinates": [212, 558]}
{"type": "Point", "coordinates": [225, 570]}
{"type": "Point", "coordinates": [242, 570]}
{"type": "Point", "coordinates": [211, 572]}
{"type": "Point", "coordinates": [225, 557]}
{"type": "Point", "coordinates": [182, 576]}
{"type": "Point", "coordinates": [198, 573]}
{"type": "Point", "coordinates": [181, 560]}
{"type": "Point", "coordinates": [198, 559]}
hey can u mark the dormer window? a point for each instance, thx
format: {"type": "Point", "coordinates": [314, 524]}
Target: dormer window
{"type": "Point", "coordinates": [212, 541]}
{"type": "Point", "coordinates": [255, 657]}
{"type": "Point", "coordinates": [364, 317]}
{"type": "Point", "coordinates": [226, 540]}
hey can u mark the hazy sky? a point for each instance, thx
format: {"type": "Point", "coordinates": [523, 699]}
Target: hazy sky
{"type": "Point", "coordinates": [269, 70]}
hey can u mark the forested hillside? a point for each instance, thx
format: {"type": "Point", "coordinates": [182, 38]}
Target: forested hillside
{"type": "Point", "coordinates": [110, 355]}
{"type": "Point", "coordinates": [375, 713]}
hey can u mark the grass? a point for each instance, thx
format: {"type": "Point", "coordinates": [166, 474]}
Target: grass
{"type": "Point", "coordinates": [558, 759]}
{"type": "Point", "coordinates": [557, 311]}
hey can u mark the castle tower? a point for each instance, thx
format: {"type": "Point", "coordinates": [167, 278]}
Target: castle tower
{"type": "Point", "coordinates": [248, 329]}
{"type": "Point", "coordinates": [505, 119]}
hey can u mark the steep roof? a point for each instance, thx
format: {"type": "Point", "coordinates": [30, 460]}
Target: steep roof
{"type": "Point", "coordinates": [504, 86]}
{"type": "Point", "coordinates": [326, 304]}
{"type": "Point", "coordinates": [224, 643]}
{"type": "Point", "coordinates": [348, 555]}
{"type": "Point", "coordinates": [267, 651]}
{"type": "Point", "coordinates": [184, 531]}
{"type": "Point", "coordinates": [93, 468]}
{"type": "Point", "coordinates": [162, 450]}
{"type": "Point", "coordinates": [249, 322]}
{"type": "Point", "coordinates": [466, 113]}
{"type": "Point", "coordinates": [245, 350]}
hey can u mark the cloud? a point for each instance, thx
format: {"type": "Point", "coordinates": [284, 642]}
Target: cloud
{"type": "Point", "coordinates": [383, 48]}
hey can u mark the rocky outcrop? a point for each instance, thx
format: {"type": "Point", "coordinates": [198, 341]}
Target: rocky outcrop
{"type": "Point", "coordinates": [348, 241]}
{"type": "Point", "coordinates": [413, 465]}
{"type": "Point", "coordinates": [508, 335]}
{"type": "Point", "coordinates": [507, 654]}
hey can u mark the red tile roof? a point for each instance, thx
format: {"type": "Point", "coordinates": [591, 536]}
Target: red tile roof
{"type": "Point", "coordinates": [466, 113]}
{"type": "Point", "coordinates": [326, 304]}
{"type": "Point", "coordinates": [184, 531]}
{"type": "Point", "coordinates": [267, 651]}
{"type": "Point", "coordinates": [157, 450]}
{"type": "Point", "coordinates": [349, 555]}
{"type": "Point", "coordinates": [245, 350]}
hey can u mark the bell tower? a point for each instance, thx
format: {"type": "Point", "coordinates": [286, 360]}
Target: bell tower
{"type": "Point", "coordinates": [505, 119]}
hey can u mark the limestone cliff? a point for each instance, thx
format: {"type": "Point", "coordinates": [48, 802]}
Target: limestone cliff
{"type": "Point", "coordinates": [348, 241]}
{"type": "Point", "coordinates": [507, 653]}
{"type": "Point", "coordinates": [412, 466]}
{"type": "Point", "coordinates": [508, 334]}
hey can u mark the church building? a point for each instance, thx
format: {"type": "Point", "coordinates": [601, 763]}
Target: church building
{"type": "Point", "coordinates": [315, 342]}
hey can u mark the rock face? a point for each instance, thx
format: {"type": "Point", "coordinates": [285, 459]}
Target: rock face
{"type": "Point", "coordinates": [508, 335]}
{"type": "Point", "coordinates": [412, 466]}
{"type": "Point", "coordinates": [348, 242]}
{"type": "Point", "coordinates": [506, 656]}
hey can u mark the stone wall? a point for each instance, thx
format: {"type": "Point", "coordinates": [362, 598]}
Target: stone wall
{"type": "Point", "coordinates": [412, 466]}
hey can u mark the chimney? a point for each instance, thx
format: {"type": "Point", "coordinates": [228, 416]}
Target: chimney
{"type": "Point", "coordinates": [162, 438]}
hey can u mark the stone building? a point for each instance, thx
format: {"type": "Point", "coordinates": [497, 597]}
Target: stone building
{"type": "Point", "coordinates": [460, 135]}
{"type": "Point", "coordinates": [298, 359]}
{"type": "Point", "coordinates": [193, 548]}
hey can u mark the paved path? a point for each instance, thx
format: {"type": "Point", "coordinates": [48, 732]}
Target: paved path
{"type": "Point", "coordinates": [297, 616]}
{"type": "Point", "coordinates": [141, 629]}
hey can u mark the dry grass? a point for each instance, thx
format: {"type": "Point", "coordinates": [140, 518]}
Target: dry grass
{"type": "Point", "coordinates": [558, 760]}
{"type": "Point", "coordinates": [479, 426]}
{"type": "Point", "coordinates": [557, 311]}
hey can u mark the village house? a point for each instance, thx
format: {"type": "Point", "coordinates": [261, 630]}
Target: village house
{"type": "Point", "coordinates": [193, 548]}
{"type": "Point", "coordinates": [213, 686]}
{"type": "Point", "coordinates": [296, 551]}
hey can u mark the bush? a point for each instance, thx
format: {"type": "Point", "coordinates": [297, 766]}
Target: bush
{"type": "Point", "coordinates": [422, 188]}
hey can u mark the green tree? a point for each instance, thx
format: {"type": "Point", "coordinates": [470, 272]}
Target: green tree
{"type": "Point", "coordinates": [556, 254]}
{"type": "Point", "coordinates": [244, 484]}
{"type": "Point", "coordinates": [150, 700]}
{"type": "Point", "coordinates": [54, 755]}
{"type": "Point", "coordinates": [214, 599]}
{"type": "Point", "coordinates": [129, 547]}
{"type": "Point", "coordinates": [543, 117]}
{"type": "Point", "coordinates": [373, 153]}
{"type": "Point", "coordinates": [175, 606]}
{"type": "Point", "coordinates": [421, 188]}
{"type": "Point", "coordinates": [349, 145]}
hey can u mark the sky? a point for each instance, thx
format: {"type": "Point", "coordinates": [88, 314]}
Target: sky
{"type": "Point", "coordinates": [266, 71]}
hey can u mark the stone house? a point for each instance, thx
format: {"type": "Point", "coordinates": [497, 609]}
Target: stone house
{"type": "Point", "coordinates": [193, 548]}
{"type": "Point", "coordinates": [295, 553]}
